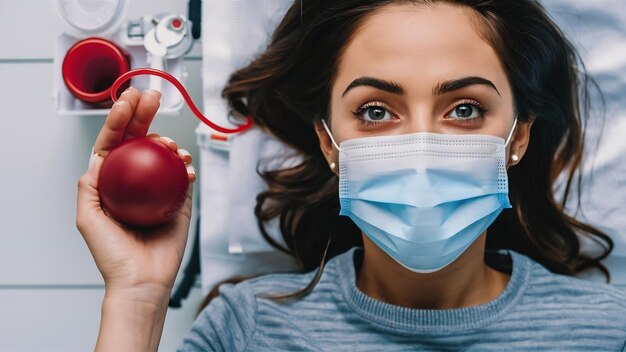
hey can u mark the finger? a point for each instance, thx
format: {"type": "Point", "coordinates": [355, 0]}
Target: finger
{"type": "Point", "coordinates": [88, 198]}
{"type": "Point", "coordinates": [188, 201]}
{"type": "Point", "coordinates": [180, 223]}
{"type": "Point", "coordinates": [191, 171]}
{"type": "Point", "coordinates": [147, 107]}
{"type": "Point", "coordinates": [154, 136]}
{"type": "Point", "coordinates": [185, 211]}
{"type": "Point", "coordinates": [169, 143]}
{"type": "Point", "coordinates": [113, 130]}
{"type": "Point", "coordinates": [185, 155]}
{"type": "Point", "coordinates": [131, 95]}
{"type": "Point", "coordinates": [90, 177]}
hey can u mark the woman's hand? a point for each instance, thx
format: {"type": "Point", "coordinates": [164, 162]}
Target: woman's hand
{"type": "Point", "coordinates": [139, 263]}
{"type": "Point", "coordinates": [138, 266]}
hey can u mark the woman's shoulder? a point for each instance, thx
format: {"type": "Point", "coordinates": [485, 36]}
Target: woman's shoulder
{"type": "Point", "coordinates": [580, 296]}
{"type": "Point", "coordinates": [277, 283]}
{"type": "Point", "coordinates": [283, 283]}
{"type": "Point", "coordinates": [230, 320]}
{"type": "Point", "coordinates": [543, 279]}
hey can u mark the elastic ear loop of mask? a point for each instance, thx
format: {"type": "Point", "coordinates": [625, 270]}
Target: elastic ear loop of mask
{"type": "Point", "coordinates": [508, 139]}
{"type": "Point", "coordinates": [150, 71]}
{"type": "Point", "coordinates": [330, 135]}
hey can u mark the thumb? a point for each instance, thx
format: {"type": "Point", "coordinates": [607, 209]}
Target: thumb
{"type": "Point", "coordinates": [88, 196]}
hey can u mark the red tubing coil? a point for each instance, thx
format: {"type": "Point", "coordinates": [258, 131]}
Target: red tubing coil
{"type": "Point", "coordinates": [150, 71]}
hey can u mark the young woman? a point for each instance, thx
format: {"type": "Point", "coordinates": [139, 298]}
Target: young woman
{"type": "Point", "coordinates": [431, 133]}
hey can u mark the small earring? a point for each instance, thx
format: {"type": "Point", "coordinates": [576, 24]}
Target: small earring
{"type": "Point", "coordinates": [333, 166]}
{"type": "Point", "coordinates": [514, 157]}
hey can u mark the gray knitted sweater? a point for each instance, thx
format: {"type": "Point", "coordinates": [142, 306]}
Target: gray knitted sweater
{"type": "Point", "coordinates": [537, 311]}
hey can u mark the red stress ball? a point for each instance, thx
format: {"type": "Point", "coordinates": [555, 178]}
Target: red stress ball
{"type": "Point", "coordinates": [142, 182]}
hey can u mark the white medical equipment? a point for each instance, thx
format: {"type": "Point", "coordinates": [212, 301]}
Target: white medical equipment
{"type": "Point", "coordinates": [83, 18]}
{"type": "Point", "coordinates": [108, 19]}
{"type": "Point", "coordinates": [169, 39]}
{"type": "Point", "coordinates": [233, 32]}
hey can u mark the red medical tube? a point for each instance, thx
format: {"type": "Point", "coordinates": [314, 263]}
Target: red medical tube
{"type": "Point", "coordinates": [150, 71]}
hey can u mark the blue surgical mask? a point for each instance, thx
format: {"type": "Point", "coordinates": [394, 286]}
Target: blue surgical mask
{"type": "Point", "coordinates": [423, 198]}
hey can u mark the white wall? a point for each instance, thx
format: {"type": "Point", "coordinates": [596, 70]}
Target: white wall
{"type": "Point", "coordinates": [50, 289]}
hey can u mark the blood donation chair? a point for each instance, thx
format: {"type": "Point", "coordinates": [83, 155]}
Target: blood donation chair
{"type": "Point", "coordinates": [229, 243]}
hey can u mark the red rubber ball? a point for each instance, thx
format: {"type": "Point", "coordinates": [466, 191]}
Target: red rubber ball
{"type": "Point", "coordinates": [142, 182]}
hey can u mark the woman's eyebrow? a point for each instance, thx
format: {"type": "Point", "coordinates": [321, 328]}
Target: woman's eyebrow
{"type": "Point", "coordinates": [440, 88]}
{"type": "Point", "coordinates": [452, 85]}
{"type": "Point", "coordinates": [388, 86]}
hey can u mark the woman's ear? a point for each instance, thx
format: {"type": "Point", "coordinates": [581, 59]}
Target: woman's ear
{"type": "Point", "coordinates": [520, 140]}
{"type": "Point", "coordinates": [326, 145]}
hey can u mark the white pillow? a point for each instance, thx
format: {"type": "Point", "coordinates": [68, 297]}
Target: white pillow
{"type": "Point", "coordinates": [598, 29]}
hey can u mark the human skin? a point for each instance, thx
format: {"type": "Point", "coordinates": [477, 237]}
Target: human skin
{"type": "Point", "coordinates": [417, 47]}
{"type": "Point", "coordinates": [138, 266]}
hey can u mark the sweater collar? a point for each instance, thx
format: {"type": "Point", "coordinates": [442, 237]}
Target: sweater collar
{"type": "Point", "coordinates": [435, 320]}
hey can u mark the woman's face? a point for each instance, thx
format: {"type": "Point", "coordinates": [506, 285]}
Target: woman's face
{"type": "Point", "coordinates": [422, 68]}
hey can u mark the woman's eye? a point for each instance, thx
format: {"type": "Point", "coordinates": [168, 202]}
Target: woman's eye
{"type": "Point", "coordinates": [466, 111]}
{"type": "Point", "coordinates": [373, 114]}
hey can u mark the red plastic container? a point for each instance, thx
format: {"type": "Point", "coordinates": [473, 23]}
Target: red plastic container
{"type": "Point", "coordinates": [91, 66]}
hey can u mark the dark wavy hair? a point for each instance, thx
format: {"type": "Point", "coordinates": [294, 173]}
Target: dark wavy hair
{"type": "Point", "coordinates": [287, 88]}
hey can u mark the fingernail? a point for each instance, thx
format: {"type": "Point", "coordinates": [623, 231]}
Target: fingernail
{"type": "Point", "coordinates": [185, 155]}
{"type": "Point", "coordinates": [92, 159]}
{"type": "Point", "coordinates": [191, 170]}
{"type": "Point", "coordinates": [154, 92]}
{"type": "Point", "coordinates": [168, 139]}
{"type": "Point", "coordinates": [120, 103]}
